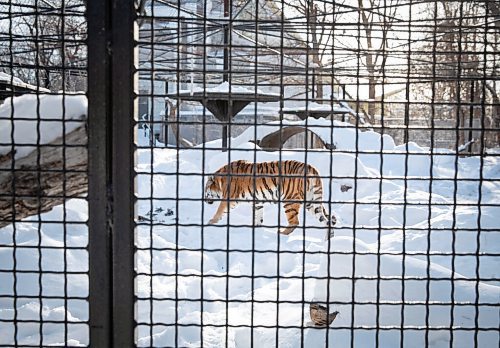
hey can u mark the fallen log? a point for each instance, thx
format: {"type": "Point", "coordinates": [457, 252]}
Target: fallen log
{"type": "Point", "coordinates": [46, 177]}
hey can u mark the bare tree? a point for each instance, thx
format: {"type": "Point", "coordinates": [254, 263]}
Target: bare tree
{"type": "Point", "coordinates": [48, 45]}
{"type": "Point", "coordinates": [376, 18]}
{"type": "Point", "coordinates": [173, 122]}
{"type": "Point", "coordinates": [318, 34]}
{"type": "Point", "coordinates": [323, 38]}
{"type": "Point", "coordinates": [455, 60]}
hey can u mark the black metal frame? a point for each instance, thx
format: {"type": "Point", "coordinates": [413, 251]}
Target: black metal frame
{"type": "Point", "coordinates": [113, 70]}
{"type": "Point", "coordinates": [111, 175]}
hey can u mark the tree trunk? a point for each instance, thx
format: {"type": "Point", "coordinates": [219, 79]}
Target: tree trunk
{"type": "Point", "coordinates": [372, 106]}
{"type": "Point", "coordinates": [44, 178]}
{"type": "Point", "coordinates": [370, 61]}
{"type": "Point", "coordinates": [316, 56]}
{"type": "Point", "coordinates": [495, 117]}
{"type": "Point", "coordinates": [173, 125]}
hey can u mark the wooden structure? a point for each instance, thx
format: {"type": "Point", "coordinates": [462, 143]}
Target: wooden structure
{"type": "Point", "coordinates": [225, 105]}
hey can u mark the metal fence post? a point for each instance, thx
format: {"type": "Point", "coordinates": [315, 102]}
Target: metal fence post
{"type": "Point", "coordinates": [111, 180]}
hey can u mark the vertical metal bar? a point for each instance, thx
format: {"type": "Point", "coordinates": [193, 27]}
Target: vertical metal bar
{"type": "Point", "coordinates": [225, 73]}
{"type": "Point", "coordinates": [166, 119]}
{"type": "Point", "coordinates": [123, 114]}
{"type": "Point", "coordinates": [99, 97]}
{"type": "Point", "coordinates": [313, 84]}
{"type": "Point", "coordinates": [224, 137]}
{"type": "Point", "coordinates": [225, 77]}
{"type": "Point", "coordinates": [225, 61]}
{"type": "Point", "coordinates": [111, 180]}
{"type": "Point", "coordinates": [471, 116]}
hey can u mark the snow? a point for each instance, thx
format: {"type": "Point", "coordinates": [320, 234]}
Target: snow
{"type": "Point", "coordinates": [53, 286]}
{"type": "Point", "coordinates": [224, 87]}
{"type": "Point", "coordinates": [305, 253]}
{"type": "Point", "coordinates": [15, 81]}
{"type": "Point", "coordinates": [8, 78]}
{"type": "Point", "coordinates": [240, 287]}
{"type": "Point", "coordinates": [313, 106]}
{"type": "Point", "coordinates": [20, 125]}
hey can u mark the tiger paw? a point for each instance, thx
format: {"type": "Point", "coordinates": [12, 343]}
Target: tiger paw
{"type": "Point", "coordinates": [283, 231]}
{"type": "Point", "coordinates": [333, 220]}
{"type": "Point", "coordinates": [212, 221]}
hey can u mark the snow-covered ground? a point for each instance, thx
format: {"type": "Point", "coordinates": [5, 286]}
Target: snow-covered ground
{"type": "Point", "coordinates": [268, 279]}
{"type": "Point", "coordinates": [264, 267]}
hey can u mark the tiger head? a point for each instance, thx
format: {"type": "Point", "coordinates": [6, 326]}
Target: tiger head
{"type": "Point", "coordinates": [212, 190]}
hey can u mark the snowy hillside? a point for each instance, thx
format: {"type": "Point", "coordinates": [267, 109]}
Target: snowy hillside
{"type": "Point", "coordinates": [216, 288]}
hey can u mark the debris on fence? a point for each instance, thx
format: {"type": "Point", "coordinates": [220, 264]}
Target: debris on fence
{"type": "Point", "coordinates": [320, 316]}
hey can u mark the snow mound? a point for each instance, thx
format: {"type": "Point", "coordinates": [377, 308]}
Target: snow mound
{"type": "Point", "coordinates": [38, 119]}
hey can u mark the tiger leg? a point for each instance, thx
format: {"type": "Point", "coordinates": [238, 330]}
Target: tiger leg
{"type": "Point", "coordinates": [332, 220]}
{"type": "Point", "coordinates": [319, 211]}
{"type": "Point", "coordinates": [221, 211]}
{"type": "Point", "coordinates": [258, 211]}
{"type": "Point", "coordinates": [292, 215]}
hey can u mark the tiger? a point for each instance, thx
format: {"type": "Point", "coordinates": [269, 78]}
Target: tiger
{"type": "Point", "coordinates": [291, 182]}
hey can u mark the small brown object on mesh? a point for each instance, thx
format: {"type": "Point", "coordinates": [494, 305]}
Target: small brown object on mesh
{"type": "Point", "coordinates": [319, 315]}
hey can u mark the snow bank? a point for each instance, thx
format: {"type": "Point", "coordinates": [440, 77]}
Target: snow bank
{"type": "Point", "coordinates": [51, 285]}
{"type": "Point", "coordinates": [38, 119]}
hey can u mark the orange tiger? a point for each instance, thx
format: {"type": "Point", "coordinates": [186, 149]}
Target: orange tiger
{"type": "Point", "coordinates": [291, 182]}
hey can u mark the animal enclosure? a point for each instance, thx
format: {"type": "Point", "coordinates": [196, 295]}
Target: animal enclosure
{"type": "Point", "coordinates": [350, 150]}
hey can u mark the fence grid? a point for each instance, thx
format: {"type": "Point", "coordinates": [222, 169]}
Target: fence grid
{"type": "Point", "coordinates": [240, 173]}
{"type": "Point", "coordinates": [390, 101]}
{"type": "Point", "coordinates": [43, 174]}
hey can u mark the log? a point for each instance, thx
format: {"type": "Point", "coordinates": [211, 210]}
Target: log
{"type": "Point", "coordinates": [275, 141]}
{"type": "Point", "coordinates": [44, 178]}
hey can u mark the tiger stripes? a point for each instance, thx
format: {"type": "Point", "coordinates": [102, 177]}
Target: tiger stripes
{"type": "Point", "coordinates": [291, 182]}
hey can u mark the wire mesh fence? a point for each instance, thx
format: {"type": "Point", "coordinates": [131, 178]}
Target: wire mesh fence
{"type": "Point", "coordinates": [283, 173]}
{"type": "Point", "coordinates": [392, 105]}
{"type": "Point", "coordinates": [43, 174]}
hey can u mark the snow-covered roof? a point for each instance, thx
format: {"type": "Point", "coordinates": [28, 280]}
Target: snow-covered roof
{"type": "Point", "coordinates": [170, 10]}
{"type": "Point", "coordinates": [17, 82]}
{"type": "Point", "coordinates": [313, 106]}
{"type": "Point", "coordinates": [225, 87]}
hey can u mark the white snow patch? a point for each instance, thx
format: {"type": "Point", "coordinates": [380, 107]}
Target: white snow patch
{"type": "Point", "coordinates": [31, 119]}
